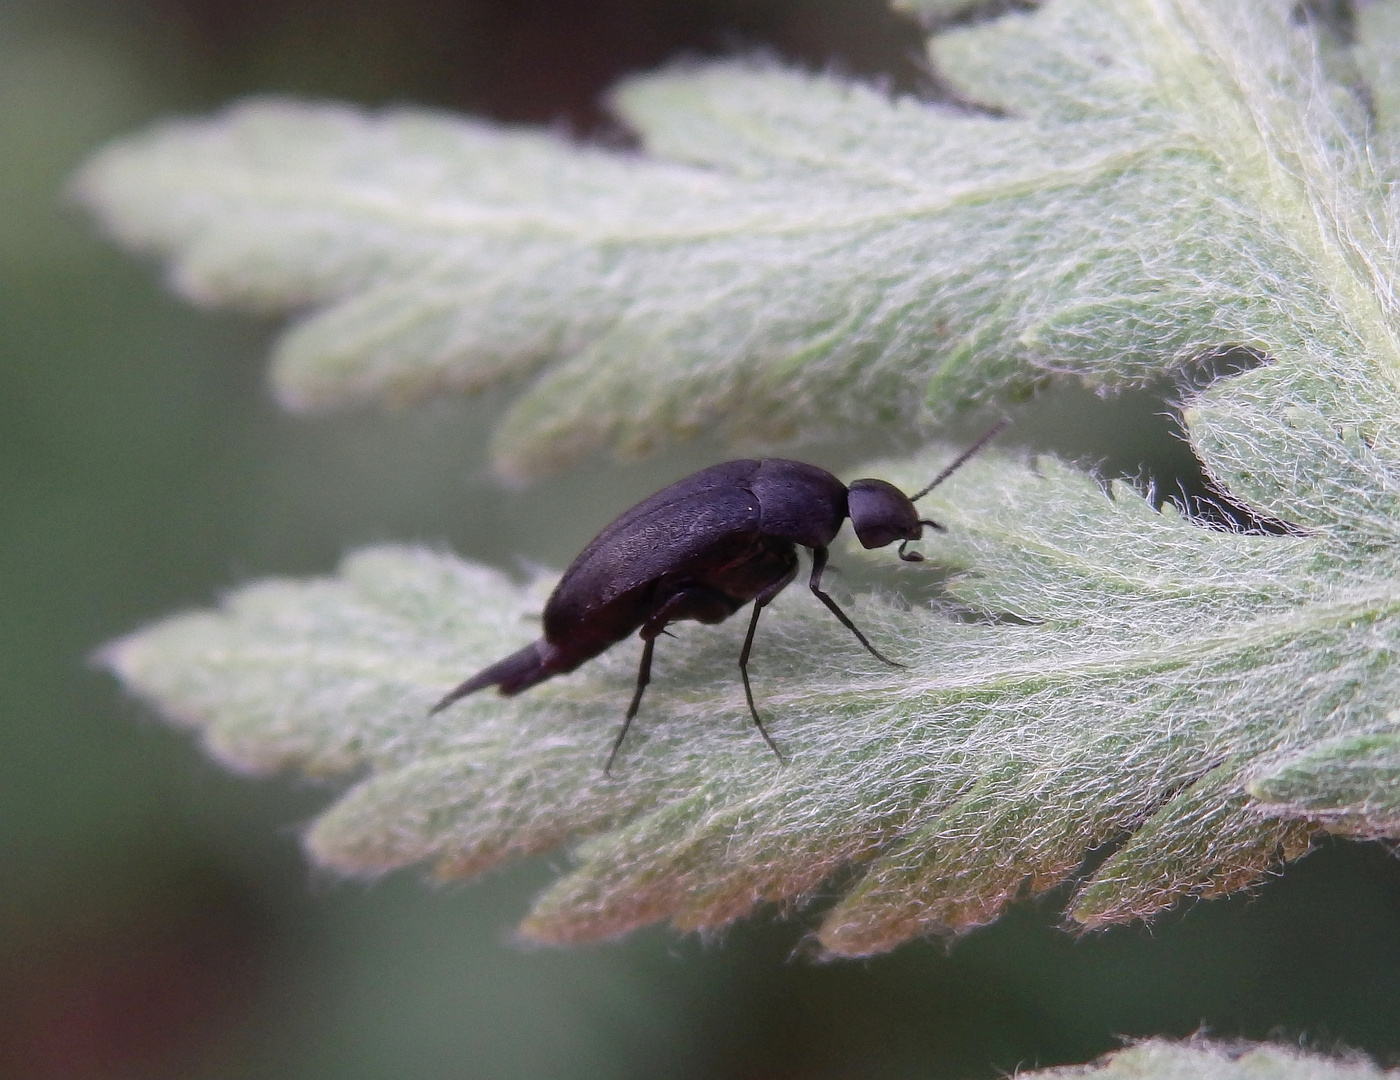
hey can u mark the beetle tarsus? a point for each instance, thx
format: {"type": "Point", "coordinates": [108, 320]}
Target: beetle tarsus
{"type": "Point", "coordinates": [819, 557]}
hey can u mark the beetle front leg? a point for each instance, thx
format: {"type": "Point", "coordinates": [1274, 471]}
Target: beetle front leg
{"type": "Point", "coordinates": [819, 557]}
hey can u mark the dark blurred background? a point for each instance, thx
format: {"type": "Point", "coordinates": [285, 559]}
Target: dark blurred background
{"type": "Point", "coordinates": [157, 918]}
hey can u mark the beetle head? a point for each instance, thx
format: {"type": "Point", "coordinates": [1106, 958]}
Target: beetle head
{"type": "Point", "coordinates": [881, 514]}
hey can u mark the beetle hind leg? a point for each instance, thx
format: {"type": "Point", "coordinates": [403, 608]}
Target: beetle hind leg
{"type": "Point", "coordinates": [748, 690]}
{"type": "Point", "coordinates": [643, 677]}
{"type": "Point", "coordinates": [760, 602]}
{"type": "Point", "coordinates": [696, 602]}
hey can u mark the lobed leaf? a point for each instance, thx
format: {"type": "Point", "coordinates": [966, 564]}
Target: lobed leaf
{"type": "Point", "coordinates": [1171, 177]}
{"type": "Point", "coordinates": [1352, 785]}
{"type": "Point", "coordinates": [1141, 670]}
{"type": "Point", "coordinates": [795, 256]}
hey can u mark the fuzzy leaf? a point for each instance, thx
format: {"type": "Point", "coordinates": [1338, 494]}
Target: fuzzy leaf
{"type": "Point", "coordinates": [1180, 175]}
{"type": "Point", "coordinates": [1142, 668]}
{"type": "Point", "coordinates": [1352, 785]}
{"type": "Point", "coordinates": [1205, 1059]}
{"type": "Point", "coordinates": [794, 256]}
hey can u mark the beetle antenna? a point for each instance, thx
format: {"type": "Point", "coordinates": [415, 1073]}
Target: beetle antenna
{"type": "Point", "coordinates": [961, 460]}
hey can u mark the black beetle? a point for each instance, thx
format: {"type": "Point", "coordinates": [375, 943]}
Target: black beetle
{"type": "Point", "coordinates": [701, 549]}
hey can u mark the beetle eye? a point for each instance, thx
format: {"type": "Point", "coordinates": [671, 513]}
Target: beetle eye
{"type": "Point", "coordinates": [909, 556]}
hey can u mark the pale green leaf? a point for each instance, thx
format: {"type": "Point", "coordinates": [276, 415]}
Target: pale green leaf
{"type": "Point", "coordinates": [794, 256]}
{"type": "Point", "coordinates": [1139, 671]}
{"type": "Point", "coordinates": [1206, 1059]}
{"type": "Point", "coordinates": [1351, 785]}
{"type": "Point", "coordinates": [1178, 177]}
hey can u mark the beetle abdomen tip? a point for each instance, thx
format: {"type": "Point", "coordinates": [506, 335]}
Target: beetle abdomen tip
{"type": "Point", "coordinates": [518, 671]}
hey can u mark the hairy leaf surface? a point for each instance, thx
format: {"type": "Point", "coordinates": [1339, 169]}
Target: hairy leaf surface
{"type": "Point", "coordinates": [795, 256]}
{"type": "Point", "coordinates": [1166, 179]}
{"type": "Point", "coordinates": [1126, 675]}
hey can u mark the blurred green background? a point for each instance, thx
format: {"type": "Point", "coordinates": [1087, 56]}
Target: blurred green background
{"type": "Point", "coordinates": [157, 918]}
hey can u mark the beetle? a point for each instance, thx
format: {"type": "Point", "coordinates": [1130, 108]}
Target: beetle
{"type": "Point", "coordinates": [700, 550]}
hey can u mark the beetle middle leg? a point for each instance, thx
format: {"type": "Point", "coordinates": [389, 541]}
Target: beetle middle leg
{"type": "Point", "coordinates": [760, 602]}
{"type": "Point", "coordinates": [697, 602]}
{"type": "Point", "coordinates": [819, 557]}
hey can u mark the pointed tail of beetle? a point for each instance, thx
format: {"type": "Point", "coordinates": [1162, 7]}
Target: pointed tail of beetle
{"type": "Point", "coordinates": [961, 460]}
{"type": "Point", "coordinates": [518, 671]}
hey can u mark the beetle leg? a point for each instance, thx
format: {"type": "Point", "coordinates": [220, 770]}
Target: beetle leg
{"type": "Point", "coordinates": [760, 602]}
{"type": "Point", "coordinates": [699, 603]}
{"type": "Point", "coordinates": [819, 556]}
{"type": "Point", "coordinates": [696, 602]}
{"type": "Point", "coordinates": [643, 677]}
